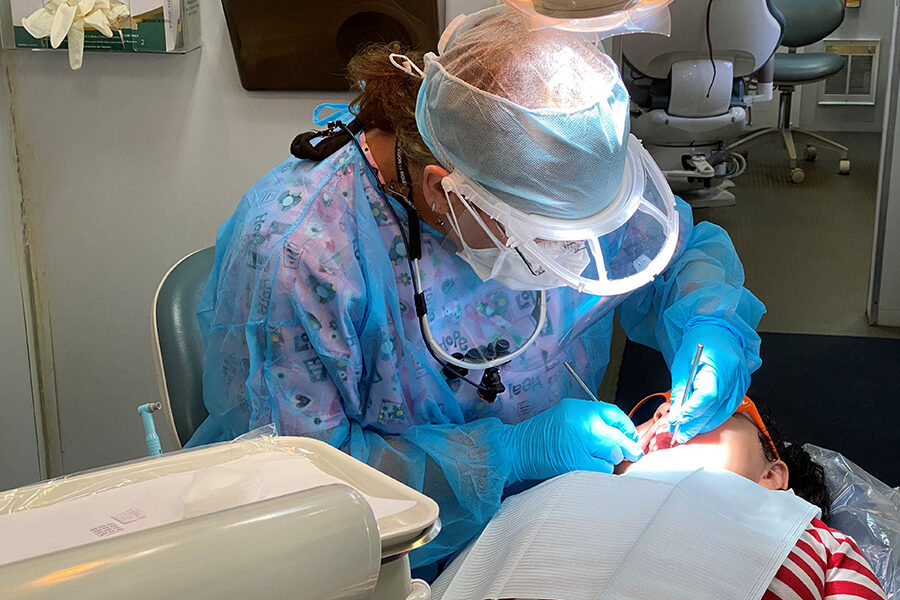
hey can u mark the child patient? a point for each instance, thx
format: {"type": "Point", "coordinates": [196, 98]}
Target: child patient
{"type": "Point", "coordinates": [824, 564]}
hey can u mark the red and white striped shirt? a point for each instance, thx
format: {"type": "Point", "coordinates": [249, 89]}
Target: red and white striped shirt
{"type": "Point", "coordinates": [825, 564]}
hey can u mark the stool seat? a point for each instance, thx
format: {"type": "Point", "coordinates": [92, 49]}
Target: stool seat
{"type": "Point", "coordinates": [806, 22]}
{"type": "Point", "coordinates": [806, 68]}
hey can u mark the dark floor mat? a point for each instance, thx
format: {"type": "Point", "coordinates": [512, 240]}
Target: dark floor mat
{"type": "Point", "coordinates": [832, 391]}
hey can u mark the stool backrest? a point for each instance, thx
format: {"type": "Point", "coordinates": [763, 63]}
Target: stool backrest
{"type": "Point", "coordinates": [809, 21]}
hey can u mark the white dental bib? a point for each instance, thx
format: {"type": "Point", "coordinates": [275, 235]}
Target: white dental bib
{"type": "Point", "coordinates": [691, 535]}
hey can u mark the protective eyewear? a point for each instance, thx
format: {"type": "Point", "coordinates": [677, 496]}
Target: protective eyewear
{"type": "Point", "coordinates": [644, 410]}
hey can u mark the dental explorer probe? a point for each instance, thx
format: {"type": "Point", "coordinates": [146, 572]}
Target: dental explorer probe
{"type": "Point", "coordinates": [695, 366]}
{"type": "Point", "coordinates": [586, 389]}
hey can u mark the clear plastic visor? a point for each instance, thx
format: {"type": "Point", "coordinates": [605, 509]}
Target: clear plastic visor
{"type": "Point", "coordinates": [628, 243]}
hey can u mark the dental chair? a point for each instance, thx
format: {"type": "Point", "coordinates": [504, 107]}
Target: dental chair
{"type": "Point", "coordinates": [689, 91]}
{"type": "Point", "coordinates": [807, 22]}
{"type": "Point", "coordinates": [178, 348]}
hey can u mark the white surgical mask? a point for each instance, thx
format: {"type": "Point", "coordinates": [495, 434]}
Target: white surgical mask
{"type": "Point", "coordinates": [509, 268]}
{"type": "Point", "coordinates": [506, 265]}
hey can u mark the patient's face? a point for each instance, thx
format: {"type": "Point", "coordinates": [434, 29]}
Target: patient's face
{"type": "Point", "coordinates": [734, 446]}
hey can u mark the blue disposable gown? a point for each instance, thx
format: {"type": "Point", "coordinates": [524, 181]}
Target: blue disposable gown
{"type": "Point", "coordinates": [310, 324]}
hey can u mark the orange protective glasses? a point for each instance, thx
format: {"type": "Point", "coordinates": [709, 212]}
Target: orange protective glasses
{"type": "Point", "coordinates": [644, 410]}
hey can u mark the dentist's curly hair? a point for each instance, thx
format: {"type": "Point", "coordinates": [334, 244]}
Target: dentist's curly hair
{"type": "Point", "coordinates": [386, 97]}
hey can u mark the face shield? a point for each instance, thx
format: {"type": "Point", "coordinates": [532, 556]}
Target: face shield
{"type": "Point", "coordinates": [614, 252]}
{"type": "Point", "coordinates": [534, 126]}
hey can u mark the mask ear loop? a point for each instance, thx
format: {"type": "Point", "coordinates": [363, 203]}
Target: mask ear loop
{"type": "Point", "coordinates": [448, 187]}
{"type": "Point", "coordinates": [445, 356]}
{"type": "Point", "coordinates": [454, 224]}
{"type": "Point", "coordinates": [405, 64]}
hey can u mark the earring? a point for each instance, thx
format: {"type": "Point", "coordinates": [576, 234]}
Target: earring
{"type": "Point", "coordinates": [440, 219]}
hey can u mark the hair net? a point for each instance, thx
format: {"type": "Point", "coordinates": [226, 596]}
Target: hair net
{"type": "Point", "coordinates": [538, 118]}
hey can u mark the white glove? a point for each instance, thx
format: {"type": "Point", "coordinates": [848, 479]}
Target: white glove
{"type": "Point", "coordinates": [68, 18]}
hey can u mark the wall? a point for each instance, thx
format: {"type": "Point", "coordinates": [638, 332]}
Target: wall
{"type": "Point", "coordinates": [889, 296]}
{"type": "Point", "coordinates": [130, 164]}
{"type": "Point", "coordinates": [19, 461]}
{"type": "Point", "coordinates": [457, 7]}
{"type": "Point", "coordinates": [873, 20]}
{"type": "Point", "coordinates": [884, 285]}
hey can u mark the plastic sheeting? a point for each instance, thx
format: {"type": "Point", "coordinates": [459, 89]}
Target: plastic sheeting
{"type": "Point", "coordinates": [866, 509]}
{"type": "Point", "coordinates": [80, 509]}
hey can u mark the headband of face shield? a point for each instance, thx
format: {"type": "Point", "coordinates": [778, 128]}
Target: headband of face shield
{"type": "Point", "coordinates": [534, 128]}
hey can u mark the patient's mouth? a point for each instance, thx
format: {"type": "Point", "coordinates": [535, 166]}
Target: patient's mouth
{"type": "Point", "coordinates": [650, 439]}
{"type": "Point", "coordinates": [659, 437]}
{"type": "Point", "coordinates": [663, 440]}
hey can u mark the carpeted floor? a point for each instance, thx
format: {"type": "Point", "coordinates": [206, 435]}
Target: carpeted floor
{"type": "Point", "coordinates": [807, 247]}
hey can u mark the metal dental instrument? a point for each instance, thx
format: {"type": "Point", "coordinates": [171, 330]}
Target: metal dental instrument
{"type": "Point", "coordinates": [695, 366]}
{"type": "Point", "coordinates": [586, 389]}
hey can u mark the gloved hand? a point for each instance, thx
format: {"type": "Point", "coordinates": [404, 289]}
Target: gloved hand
{"type": "Point", "coordinates": [721, 382]}
{"type": "Point", "coordinates": [574, 435]}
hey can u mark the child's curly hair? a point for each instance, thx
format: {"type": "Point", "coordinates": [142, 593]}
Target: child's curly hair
{"type": "Point", "coordinates": [806, 477]}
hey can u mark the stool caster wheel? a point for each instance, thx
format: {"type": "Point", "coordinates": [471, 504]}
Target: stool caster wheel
{"type": "Point", "coordinates": [811, 153]}
{"type": "Point", "coordinates": [797, 175]}
{"type": "Point", "coordinates": [844, 168]}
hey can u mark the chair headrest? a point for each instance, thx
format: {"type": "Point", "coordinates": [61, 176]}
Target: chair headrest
{"type": "Point", "coordinates": [744, 32]}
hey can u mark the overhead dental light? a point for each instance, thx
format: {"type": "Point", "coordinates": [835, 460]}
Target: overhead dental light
{"type": "Point", "coordinates": [605, 17]}
{"type": "Point", "coordinates": [580, 9]}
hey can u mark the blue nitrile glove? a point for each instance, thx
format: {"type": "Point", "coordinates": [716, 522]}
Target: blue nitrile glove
{"type": "Point", "coordinates": [721, 382]}
{"type": "Point", "coordinates": [574, 435]}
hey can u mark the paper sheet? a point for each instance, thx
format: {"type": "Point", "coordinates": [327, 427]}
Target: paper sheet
{"type": "Point", "coordinates": [142, 505]}
{"type": "Point", "coordinates": [172, 12]}
{"type": "Point", "coordinates": [589, 536]}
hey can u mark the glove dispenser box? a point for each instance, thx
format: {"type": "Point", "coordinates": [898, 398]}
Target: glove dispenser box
{"type": "Point", "coordinates": [159, 26]}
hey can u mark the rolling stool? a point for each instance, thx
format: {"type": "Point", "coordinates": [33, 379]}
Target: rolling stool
{"type": "Point", "coordinates": [806, 22]}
